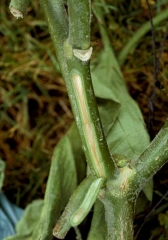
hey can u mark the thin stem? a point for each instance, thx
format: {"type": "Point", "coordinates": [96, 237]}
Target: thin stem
{"type": "Point", "coordinates": [134, 40]}
{"type": "Point", "coordinates": [153, 89]}
{"type": "Point", "coordinates": [152, 159]}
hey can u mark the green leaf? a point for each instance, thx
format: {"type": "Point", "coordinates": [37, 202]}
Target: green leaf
{"type": "Point", "coordinates": [78, 153]}
{"type": "Point", "coordinates": [61, 184]}
{"type": "Point", "coordinates": [148, 190]}
{"type": "Point", "coordinates": [29, 220]}
{"type": "Point", "coordinates": [126, 134]}
{"type": "Point", "coordinates": [108, 109]}
{"type": "Point", "coordinates": [141, 203]}
{"type": "Point", "coordinates": [98, 226]}
{"type": "Point", "coordinates": [121, 117]}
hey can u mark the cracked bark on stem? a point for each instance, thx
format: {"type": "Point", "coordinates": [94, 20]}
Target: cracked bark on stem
{"type": "Point", "coordinates": [69, 38]}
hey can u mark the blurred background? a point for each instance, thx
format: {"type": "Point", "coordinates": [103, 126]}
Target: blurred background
{"type": "Point", "coordinates": [34, 108]}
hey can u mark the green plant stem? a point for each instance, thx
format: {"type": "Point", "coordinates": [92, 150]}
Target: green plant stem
{"type": "Point", "coordinates": [76, 74]}
{"type": "Point", "coordinates": [152, 159]}
{"type": "Point", "coordinates": [119, 215]}
{"type": "Point", "coordinates": [133, 42]}
{"type": "Point", "coordinates": [121, 194]}
{"type": "Point", "coordinates": [119, 203]}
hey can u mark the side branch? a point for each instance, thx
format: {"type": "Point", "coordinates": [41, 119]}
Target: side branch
{"type": "Point", "coordinates": [153, 158]}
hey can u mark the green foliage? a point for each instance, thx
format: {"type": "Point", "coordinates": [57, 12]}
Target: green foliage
{"type": "Point", "coordinates": [126, 133]}
{"type": "Point", "coordinates": [123, 126]}
{"type": "Point", "coordinates": [121, 117]}
{"type": "Point", "coordinates": [131, 137]}
{"type": "Point", "coordinates": [63, 174]}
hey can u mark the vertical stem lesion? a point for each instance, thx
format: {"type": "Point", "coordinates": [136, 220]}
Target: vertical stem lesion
{"type": "Point", "coordinates": [87, 123]}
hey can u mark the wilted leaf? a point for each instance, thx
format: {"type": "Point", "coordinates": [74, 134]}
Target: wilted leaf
{"type": "Point", "coordinates": [61, 184]}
